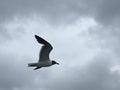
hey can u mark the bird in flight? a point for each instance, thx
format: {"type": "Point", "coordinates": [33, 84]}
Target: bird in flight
{"type": "Point", "coordinates": [44, 60]}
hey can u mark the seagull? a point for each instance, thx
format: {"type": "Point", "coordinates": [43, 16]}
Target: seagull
{"type": "Point", "coordinates": [44, 60]}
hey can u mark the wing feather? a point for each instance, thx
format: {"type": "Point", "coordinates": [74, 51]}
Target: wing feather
{"type": "Point", "coordinates": [44, 53]}
{"type": "Point", "coordinates": [41, 40]}
{"type": "Point", "coordinates": [45, 50]}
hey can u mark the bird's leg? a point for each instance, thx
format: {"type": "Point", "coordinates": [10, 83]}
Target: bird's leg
{"type": "Point", "coordinates": [37, 68]}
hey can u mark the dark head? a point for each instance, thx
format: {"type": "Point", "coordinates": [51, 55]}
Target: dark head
{"type": "Point", "coordinates": [54, 62]}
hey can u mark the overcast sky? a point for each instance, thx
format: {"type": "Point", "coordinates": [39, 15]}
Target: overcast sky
{"type": "Point", "coordinates": [85, 35]}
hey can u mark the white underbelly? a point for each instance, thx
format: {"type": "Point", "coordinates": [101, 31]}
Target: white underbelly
{"type": "Point", "coordinates": [44, 64]}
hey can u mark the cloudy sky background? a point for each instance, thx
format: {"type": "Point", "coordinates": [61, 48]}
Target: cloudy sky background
{"type": "Point", "coordinates": [84, 33]}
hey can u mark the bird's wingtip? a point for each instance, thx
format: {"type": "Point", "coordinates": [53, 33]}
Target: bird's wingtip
{"type": "Point", "coordinates": [35, 35]}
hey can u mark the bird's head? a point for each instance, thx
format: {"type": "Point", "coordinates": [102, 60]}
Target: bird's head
{"type": "Point", "coordinates": [54, 62]}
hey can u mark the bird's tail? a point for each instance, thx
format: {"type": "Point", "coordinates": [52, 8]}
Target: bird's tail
{"type": "Point", "coordinates": [31, 64]}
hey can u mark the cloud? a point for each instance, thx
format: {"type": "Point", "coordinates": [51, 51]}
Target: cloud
{"type": "Point", "coordinates": [95, 75]}
{"type": "Point", "coordinates": [12, 72]}
{"type": "Point", "coordinates": [108, 38]}
{"type": "Point", "coordinates": [108, 11]}
{"type": "Point", "coordinates": [13, 67]}
{"type": "Point", "coordinates": [85, 66]}
{"type": "Point", "coordinates": [3, 34]}
{"type": "Point", "coordinates": [83, 44]}
{"type": "Point", "coordinates": [62, 11]}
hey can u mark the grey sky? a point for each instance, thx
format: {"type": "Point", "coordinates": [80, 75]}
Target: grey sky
{"type": "Point", "coordinates": [84, 33]}
{"type": "Point", "coordinates": [105, 11]}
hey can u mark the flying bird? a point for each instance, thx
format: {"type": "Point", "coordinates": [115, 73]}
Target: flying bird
{"type": "Point", "coordinates": [44, 60]}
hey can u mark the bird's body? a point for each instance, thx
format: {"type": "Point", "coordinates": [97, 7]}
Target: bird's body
{"type": "Point", "coordinates": [44, 60]}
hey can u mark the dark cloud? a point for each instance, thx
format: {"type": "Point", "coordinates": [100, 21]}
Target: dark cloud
{"type": "Point", "coordinates": [95, 76]}
{"type": "Point", "coordinates": [12, 73]}
{"type": "Point", "coordinates": [108, 12]}
{"type": "Point", "coordinates": [59, 11]}
{"type": "Point", "coordinates": [54, 10]}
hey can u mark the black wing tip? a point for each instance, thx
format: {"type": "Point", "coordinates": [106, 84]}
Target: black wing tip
{"type": "Point", "coordinates": [42, 41]}
{"type": "Point", "coordinates": [36, 36]}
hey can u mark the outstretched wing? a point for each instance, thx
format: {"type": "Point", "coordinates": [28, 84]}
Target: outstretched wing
{"type": "Point", "coordinates": [45, 50]}
{"type": "Point", "coordinates": [41, 40]}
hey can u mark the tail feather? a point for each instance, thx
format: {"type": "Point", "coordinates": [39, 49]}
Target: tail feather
{"type": "Point", "coordinates": [31, 64]}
